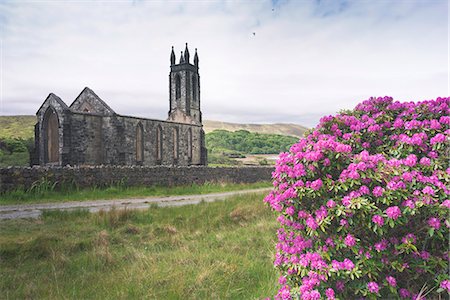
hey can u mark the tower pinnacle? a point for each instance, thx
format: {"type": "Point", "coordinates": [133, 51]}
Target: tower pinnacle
{"type": "Point", "coordinates": [181, 58]}
{"type": "Point", "coordinates": [172, 57]}
{"type": "Point", "coordinates": [186, 54]}
{"type": "Point", "coordinates": [196, 58]}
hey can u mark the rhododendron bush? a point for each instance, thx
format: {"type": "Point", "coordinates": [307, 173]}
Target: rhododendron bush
{"type": "Point", "coordinates": [363, 204]}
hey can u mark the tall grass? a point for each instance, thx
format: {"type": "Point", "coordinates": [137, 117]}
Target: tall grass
{"type": "Point", "coordinates": [45, 191]}
{"type": "Point", "coordinates": [205, 251]}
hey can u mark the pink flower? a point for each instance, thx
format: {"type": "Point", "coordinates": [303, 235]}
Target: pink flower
{"type": "Point", "coordinates": [330, 294]}
{"type": "Point", "coordinates": [303, 214]}
{"type": "Point", "coordinates": [404, 293]}
{"type": "Point", "coordinates": [346, 201]}
{"type": "Point", "coordinates": [331, 204]}
{"type": "Point", "coordinates": [314, 295]}
{"type": "Point", "coordinates": [381, 246]}
{"type": "Point", "coordinates": [425, 255]}
{"type": "Point", "coordinates": [434, 223]}
{"type": "Point", "coordinates": [378, 191]}
{"type": "Point", "coordinates": [428, 190]}
{"type": "Point", "coordinates": [408, 177]}
{"type": "Point", "coordinates": [311, 223]}
{"type": "Point", "coordinates": [373, 287]}
{"type": "Point", "coordinates": [329, 242]}
{"type": "Point", "coordinates": [446, 203]}
{"type": "Point", "coordinates": [438, 138]}
{"type": "Point", "coordinates": [425, 161]}
{"type": "Point", "coordinates": [432, 154]}
{"type": "Point", "coordinates": [282, 280]}
{"type": "Point", "coordinates": [340, 285]}
{"type": "Point", "coordinates": [445, 284]}
{"type": "Point", "coordinates": [343, 222]}
{"type": "Point", "coordinates": [377, 219]}
{"type": "Point", "coordinates": [290, 210]}
{"type": "Point", "coordinates": [347, 264]}
{"type": "Point", "coordinates": [284, 293]}
{"type": "Point", "coordinates": [350, 240]}
{"type": "Point", "coordinates": [364, 190]}
{"type": "Point", "coordinates": [316, 184]}
{"type": "Point", "coordinates": [411, 160]}
{"type": "Point", "coordinates": [409, 203]}
{"type": "Point", "coordinates": [391, 281]}
{"type": "Point", "coordinates": [393, 212]}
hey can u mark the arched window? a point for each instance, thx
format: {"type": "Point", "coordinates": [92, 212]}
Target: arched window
{"type": "Point", "coordinates": [177, 86]}
{"type": "Point", "coordinates": [139, 143]}
{"type": "Point", "coordinates": [175, 143]}
{"type": "Point", "coordinates": [194, 89]}
{"type": "Point", "coordinates": [189, 144]}
{"type": "Point", "coordinates": [51, 136]}
{"type": "Point", "coordinates": [159, 142]}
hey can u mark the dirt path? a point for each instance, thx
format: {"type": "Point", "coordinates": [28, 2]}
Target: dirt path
{"type": "Point", "coordinates": [35, 210]}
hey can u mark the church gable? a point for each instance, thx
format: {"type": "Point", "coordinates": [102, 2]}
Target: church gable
{"type": "Point", "coordinates": [89, 102]}
{"type": "Point", "coordinates": [53, 101]}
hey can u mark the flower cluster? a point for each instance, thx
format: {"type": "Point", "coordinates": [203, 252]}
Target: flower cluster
{"type": "Point", "coordinates": [363, 206]}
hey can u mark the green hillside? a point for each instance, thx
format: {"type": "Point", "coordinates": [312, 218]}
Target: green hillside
{"type": "Point", "coordinates": [243, 141]}
{"type": "Point", "coordinates": [279, 128]}
{"type": "Point", "coordinates": [16, 137]}
{"type": "Point", "coordinates": [17, 127]}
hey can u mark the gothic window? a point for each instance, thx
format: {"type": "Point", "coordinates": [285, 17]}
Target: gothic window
{"type": "Point", "coordinates": [175, 143]}
{"type": "Point", "coordinates": [189, 144]}
{"type": "Point", "coordinates": [194, 89]}
{"type": "Point", "coordinates": [51, 136]}
{"type": "Point", "coordinates": [159, 143]}
{"type": "Point", "coordinates": [177, 86]}
{"type": "Point", "coordinates": [139, 143]}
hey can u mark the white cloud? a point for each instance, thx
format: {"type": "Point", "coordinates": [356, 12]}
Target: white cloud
{"type": "Point", "coordinates": [306, 58]}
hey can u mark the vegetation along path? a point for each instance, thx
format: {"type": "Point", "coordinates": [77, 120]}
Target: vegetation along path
{"type": "Point", "coordinates": [35, 210]}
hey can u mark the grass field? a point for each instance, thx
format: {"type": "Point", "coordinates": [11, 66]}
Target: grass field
{"type": "Point", "coordinates": [44, 192]}
{"type": "Point", "coordinates": [220, 250]}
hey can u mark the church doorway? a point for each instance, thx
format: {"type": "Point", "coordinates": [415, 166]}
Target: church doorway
{"type": "Point", "coordinates": [51, 137]}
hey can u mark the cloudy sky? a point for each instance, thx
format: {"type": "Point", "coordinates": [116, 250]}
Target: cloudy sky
{"type": "Point", "coordinates": [260, 61]}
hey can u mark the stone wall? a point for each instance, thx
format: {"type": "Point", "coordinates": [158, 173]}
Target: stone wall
{"type": "Point", "coordinates": [15, 177]}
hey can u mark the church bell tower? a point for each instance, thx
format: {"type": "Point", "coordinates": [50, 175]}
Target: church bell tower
{"type": "Point", "coordinates": [184, 86]}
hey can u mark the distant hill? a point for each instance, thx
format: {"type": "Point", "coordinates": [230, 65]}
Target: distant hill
{"type": "Point", "coordinates": [23, 127]}
{"type": "Point", "coordinates": [280, 128]}
{"type": "Point", "coordinates": [17, 126]}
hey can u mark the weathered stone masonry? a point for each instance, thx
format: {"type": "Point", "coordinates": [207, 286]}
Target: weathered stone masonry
{"type": "Point", "coordinates": [99, 176]}
{"type": "Point", "coordinates": [89, 132]}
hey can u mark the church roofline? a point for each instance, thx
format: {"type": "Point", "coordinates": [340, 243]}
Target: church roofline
{"type": "Point", "coordinates": [155, 120]}
{"type": "Point", "coordinates": [57, 99]}
{"type": "Point", "coordinates": [183, 66]}
{"type": "Point", "coordinates": [87, 90]}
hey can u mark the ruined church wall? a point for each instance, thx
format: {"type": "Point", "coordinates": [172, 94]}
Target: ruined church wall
{"type": "Point", "coordinates": [85, 135]}
{"type": "Point", "coordinates": [150, 128]}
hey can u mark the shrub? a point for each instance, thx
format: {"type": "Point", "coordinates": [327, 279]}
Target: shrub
{"type": "Point", "coordinates": [363, 204]}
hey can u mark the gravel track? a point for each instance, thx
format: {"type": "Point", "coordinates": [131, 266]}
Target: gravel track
{"type": "Point", "coordinates": [35, 210]}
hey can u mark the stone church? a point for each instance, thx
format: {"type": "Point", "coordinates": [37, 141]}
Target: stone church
{"type": "Point", "coordinates": [89, 132]}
